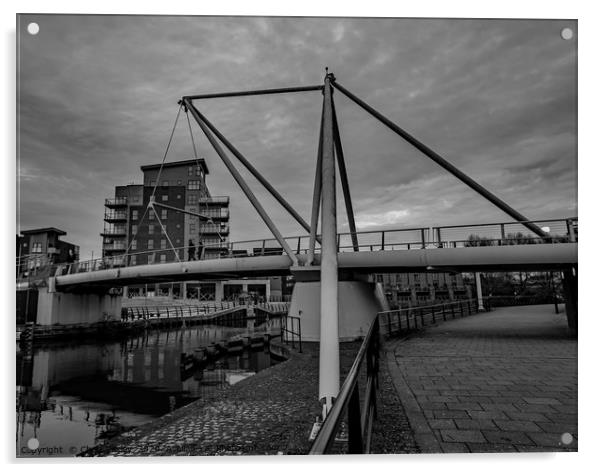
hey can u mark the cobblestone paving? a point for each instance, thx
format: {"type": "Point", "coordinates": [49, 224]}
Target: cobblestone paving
{"type": "Point", "coordinates": [503, 381]}
{"type": "Point", "coordinates": [271, 412]}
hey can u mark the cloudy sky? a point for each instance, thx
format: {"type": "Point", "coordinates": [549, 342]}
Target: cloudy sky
{"type": "Point", "coordinates": [497, 98]}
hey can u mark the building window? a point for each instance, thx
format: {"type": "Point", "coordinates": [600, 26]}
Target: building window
{"type": "Point", "coordinates": [151, 244]}
{"type": "Point", "coordinates": [163, 214]}
{"type": "Point", "coordinates": [192, 227]}
{"type": "Point", "coordinates": [164, 198]}
{"type": "Point", "coordinates": [132, 260]}
{"type": "Point", "coordinates": [152, 183]}
{"type": "Point", "coordinates": [134, 244]}
{"type": "Point", "coordinates": [151, 215]}
{"type": "Point", "coordinates": [134, 229]}
{"type": "Point", "coordinates": [163, 258]}
{"type": "Point", "coordinates": [191, 199]}
{"type": "Point", "coordinates": [135, 199]}
{"type": "Point", "coordinates": [190, 170]}
{"type": "Point", "coordinates": [151, 229]}
{"type": "Point", "coordinates": [198, 171]}
{"type": "Point", "coordinates": [165, 183]}
{"type": "Point", "coordinates": [134, 214]}
{"type": "Point", "coordinates": [36, 247]}
{"type": "Point", "coordinates": [151, 258]}
{"type": "Point", "coordinates": [194, 185]}
{"type": "Point", "coordinates": [163, 244]}
{"type": "Point", "coordinates": [179, 182]}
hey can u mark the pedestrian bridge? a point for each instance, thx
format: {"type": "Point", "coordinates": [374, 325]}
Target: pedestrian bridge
{"type": "Point", "coordinates": [464, 248]}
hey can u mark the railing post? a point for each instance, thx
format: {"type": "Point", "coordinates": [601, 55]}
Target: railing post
{"type": "Point", "coordinates": [389, 322]}
{"type": "Point", "coordinates": [503, 232]}
{"type": "Point", "coordinates": [299, 327]}
{"type": "Point", "coordinates": [571, 230]}
{"type": "Point", "coordinates": [422, 238]}
{"type": "Point", "coordinates": [453, 312]}
{"type": "Point", "coordinates": [408, 320]}
{"type": "Point", "coordinates": [433, 313]}
{"type": "Point", "coordinates": [354, 415]}
{"type": "Point", "coordinates": [382, 241]}
{"type": "Point", "coordinates": [399, 321]}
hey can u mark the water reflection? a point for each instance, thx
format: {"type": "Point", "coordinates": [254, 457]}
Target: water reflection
{"type": "Point", "coordinates": [70, 397]}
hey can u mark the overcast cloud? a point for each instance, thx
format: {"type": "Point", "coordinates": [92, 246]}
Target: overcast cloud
{"type": "Point", "coordinates": [98, 97]}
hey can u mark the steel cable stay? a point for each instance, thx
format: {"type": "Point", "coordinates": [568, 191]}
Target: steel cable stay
{"type": "Point", "coordinates": [151, 202]}
{"type": "Point", "coordinates": [166, 235]}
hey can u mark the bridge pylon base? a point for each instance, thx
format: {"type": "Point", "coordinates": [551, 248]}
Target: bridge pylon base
{"type": "Point", "coordinates": [359, 302]}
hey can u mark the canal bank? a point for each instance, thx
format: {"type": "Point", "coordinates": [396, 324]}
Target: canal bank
{"type": "Point", "coordinates": [76, 395]}
{"type": "Point", "coordinates": [271, 412]}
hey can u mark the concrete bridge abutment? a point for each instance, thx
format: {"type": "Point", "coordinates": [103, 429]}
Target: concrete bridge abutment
{"type": "Point", "coordinates": [76, 308]}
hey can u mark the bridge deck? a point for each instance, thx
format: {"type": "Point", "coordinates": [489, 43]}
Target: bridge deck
{"type": "Point", "coordinates": [519, 257]}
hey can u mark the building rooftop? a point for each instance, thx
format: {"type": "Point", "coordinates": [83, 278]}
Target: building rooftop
{"type": "Point", "coordinates": [51, 229]}
{"type": "Point", "coordinates": [189, 162]}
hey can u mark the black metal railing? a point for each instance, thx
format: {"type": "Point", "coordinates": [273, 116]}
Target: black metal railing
{"type": "Point", "coordinates": [402, 321]}
{"type": "Point", "coordinates": [348, 405]}
{"type": "Point", "coordinates": [290, 331]}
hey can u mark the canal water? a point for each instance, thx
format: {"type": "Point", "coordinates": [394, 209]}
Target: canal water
{"type": "Point", "coordinates": [71, 397]}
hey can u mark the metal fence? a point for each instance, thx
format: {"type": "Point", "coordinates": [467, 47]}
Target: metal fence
{"type": "Point", "coordinates": [404, 320]}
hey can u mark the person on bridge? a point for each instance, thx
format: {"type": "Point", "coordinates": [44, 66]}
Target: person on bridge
{"type": "Point", "coordinates": [191, 256]}
{"type": "Point", "coordinates": [199, 251]}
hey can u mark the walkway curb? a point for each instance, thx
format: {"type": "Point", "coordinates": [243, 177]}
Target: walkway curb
{"type": "Point", "coordinates": [423, 434]}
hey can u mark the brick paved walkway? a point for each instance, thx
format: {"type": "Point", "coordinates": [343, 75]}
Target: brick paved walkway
{"type": "Point", "coordinates": [494, 382]}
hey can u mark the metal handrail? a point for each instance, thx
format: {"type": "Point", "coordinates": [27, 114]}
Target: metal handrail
{"type": "Point", "coordinates": [359, 419]}
{"type": "Point", "coordinates": [414, 317]}
{"type": "Point", "coordinates": [268, 246]}
{"type": "Point", "coordinates": [284, 330]}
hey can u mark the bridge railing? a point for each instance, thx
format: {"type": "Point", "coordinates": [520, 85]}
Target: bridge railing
{"type": "Point", "coordinates": [354, 409]}
{"type": "Point", "coordinates": [505, 234]}
{"type": "Point", "coordinates": [489, 234]}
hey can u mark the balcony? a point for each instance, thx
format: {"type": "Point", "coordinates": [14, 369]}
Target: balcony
{"type": "Point", "coordinates": [214, 229]}
{"type": "Point", "coordinates": [114, 232]}
{"type": "Point", "coordinates": [220, 201]}
{"type": "Point", "coordinates": [116, 202]}
{"type": "Point", "coordinates": [114, 216]}
{"type": "Point", "coordinates": [215, 213]}
{"type": "Point", "coordinates": [113, 247]}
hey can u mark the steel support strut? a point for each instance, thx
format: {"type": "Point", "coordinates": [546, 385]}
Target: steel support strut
{"type": "Point", "coordinates": [241, 182]}
{"type": "Point", "coordinates": [443, 163]}
{"type": "Point", "coordinates": [307, 88]}
{"type": "Point", "coordinates": [329, 312]}
{"type": "Point", "coordinates": [344, 180]}
{"type": "Point", "coordinates": [315, 206]}
{"type": "Point", "coordinates": [252, 169]}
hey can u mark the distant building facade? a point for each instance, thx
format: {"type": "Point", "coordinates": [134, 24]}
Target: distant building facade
{"type": "Point", "coordinates": [404, 289]}
{"type": "Point", "coordinates": [181, 185]}
{"type": "Point", "coordinates": [137, 236]}
{"type": "Point", "coordinates": [38, 249]}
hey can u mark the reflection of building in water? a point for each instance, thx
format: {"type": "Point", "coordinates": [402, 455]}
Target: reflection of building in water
{"type": "Point", "coordinates": [91, 391]}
